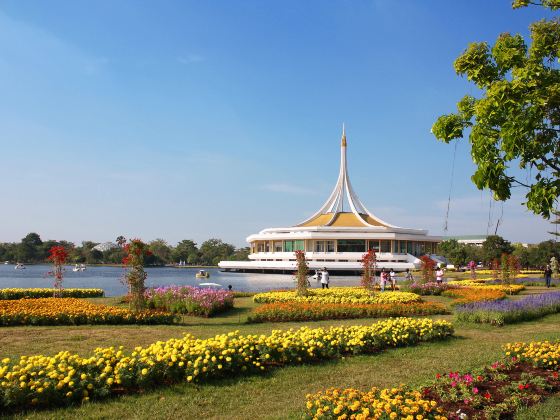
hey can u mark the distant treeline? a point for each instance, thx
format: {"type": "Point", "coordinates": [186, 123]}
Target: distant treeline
{"type": "Point", "coordinates": [530, 256]}
{"type": "Point", "coordinates": [32, 249]}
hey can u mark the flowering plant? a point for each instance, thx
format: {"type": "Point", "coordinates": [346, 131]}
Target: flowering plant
{"type": "Point", "coordinates": [189, 300]}
{"type": "Point", "coordinates": [135, 252]}
{"type": "Point", "coordinates": [427, 267]}
{"type": "Point", "coordinates": [368, 264]}
{"type": "Point", "coordinates": [301, 273]}
{"type": "Point", "coordinates": [58, 256]}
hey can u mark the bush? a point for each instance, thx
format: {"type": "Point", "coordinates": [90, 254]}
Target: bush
{"type": "Point", "coordinates": [9, 294]}
{"type": "Point", "coordinates": [189, 300]}
{"type": "Point", "coordinates": [509, 312]}
{"type": "Point", "coordinates": [111, 371]}
{"type": "Point", "coordinates": [298, 311]}
{"type": "Point", "coordinates": [72, 311]}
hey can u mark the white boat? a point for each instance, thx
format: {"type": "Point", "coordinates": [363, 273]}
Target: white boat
{"type": "Point", "coordinates": [6, 262]}
{"type": "Point", "coordinates": [211, 285]}
{"type": "Point", "coordinates": [82, 267]}
{"type": "Point", "coordinates": [19, 266]}
{"type": "Point", "coordinates": [76, 268]}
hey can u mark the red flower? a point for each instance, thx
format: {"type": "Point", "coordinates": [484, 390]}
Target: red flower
{"type": "Point", "coordinates": [479, 378]}
{"type": "Point", "coordinates": [438, 376]}
{"type": "Point", "coordinates": [555, 375]}
{"type": "Point", "coordinates": [521, 386]}
{"type": "Point", "coordinates": [487, 395]}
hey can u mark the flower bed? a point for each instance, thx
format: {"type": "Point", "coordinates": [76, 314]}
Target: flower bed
{"type": "Point", "coordinates": [527, 375]}
{"type": "Point", "coordinates": [338, 295]}
{"type": "Point", "coordinates": [373, 404]}
{"type": "Point", "coordinates": [509, 312]}
{"type": "Point", "coordinates": [189, 300]}
{"type": "Point", "coordinates": [73, 311]}
{"type": "Point", "coordinates": [66, 378]}
{"type": "Point", "coordinates": [475, 294]}
{"type": "Point", "coordinates": [431, 288]}
{"type": "Point", "coordinates": [9, 294]}
{"type": "Point", "coordinates": [510, 289]}
{"type": "Point", "coordinates": [303, 311]}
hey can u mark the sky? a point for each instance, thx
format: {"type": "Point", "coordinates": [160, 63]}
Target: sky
{"type": "Point", "coordinates": [217, 119]}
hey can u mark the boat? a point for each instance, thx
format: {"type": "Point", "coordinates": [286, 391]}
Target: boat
{"type": "Point", "coordinates": [19, 266]}
{"type": "Point", "coordinates": [202, 274]}
{"type": "Point", "coordinates": [76, 268]}
{"type": "Point", "coordinates": [6, 262]}
{"type": "Point", "coordinates": [211, 285]}
{"type": "Point", "coordinates": [82, 267]}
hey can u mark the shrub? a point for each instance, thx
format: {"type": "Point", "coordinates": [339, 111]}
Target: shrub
{"type": "Point", "coordinates": [9, 294]}
{"type": "Point", "coordinates": [301, 311]}
{"type": "Point", "coordinates": [68, 378]}
{"type": "Point", "coordinates": [72, 311]}
{"type": "Point", "coordinates": [189, 300]}
{"type": "Point", "coordinates": [508, 311]}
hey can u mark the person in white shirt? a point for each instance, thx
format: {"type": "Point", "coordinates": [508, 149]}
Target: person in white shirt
{"type": "Point", "coordinates": [393, 278]}
{"type": "Point", "coordinates": [439, 275]}
{"type": "Point", "coordinates": [325, 279]}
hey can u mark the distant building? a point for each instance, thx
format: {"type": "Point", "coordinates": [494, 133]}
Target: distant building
{"type": "Point", "coordinates": [336, 237]}
{"type": "Point", "coordinates": [476, 240]}
{"type": "Point", "coordinates": [105, 246]}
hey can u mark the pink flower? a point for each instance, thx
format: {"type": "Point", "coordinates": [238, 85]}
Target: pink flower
{"type": "Point", "coordinates": [453, 384]}
{"type": "Point", "coordinates": [475, 390]}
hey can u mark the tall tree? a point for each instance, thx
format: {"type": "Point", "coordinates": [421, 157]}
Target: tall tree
{"type": "Point", "coordinates": [516, 119]}
{"type": "Point", "coordinates": [493, 248]}
{"type": "Point", "coordinates": [29, 250]}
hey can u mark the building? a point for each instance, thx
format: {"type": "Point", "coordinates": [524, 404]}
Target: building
{"type": "Point", "coordinates": [336, 237]}
{"type": "Point", "coordinates": [105, 246]}
{"type": "Point", "coordinates": [476, 240]}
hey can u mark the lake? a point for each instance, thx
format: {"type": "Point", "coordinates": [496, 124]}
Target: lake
{"type": "Point", "coordinates": [108, 278]}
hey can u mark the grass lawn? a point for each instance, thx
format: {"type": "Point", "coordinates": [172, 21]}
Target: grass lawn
{"type": "Point", "coordinates": [279, 393]}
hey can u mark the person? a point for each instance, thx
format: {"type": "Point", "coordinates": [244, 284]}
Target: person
{"type": "Point", "coordinates": [548, 275]}
{"type": "Point", "coordinates": [408, 275]}
{"type": "Point", "coordinates": [393, 277]}
{"type": "Point", "coordinates": [439, 275]}
{"type": "Point", "coordinates": [325, 279]}
{"type": "Point", "coordinates": [230, 287]}
{"type": "Point", "coordinates": [383, 279]}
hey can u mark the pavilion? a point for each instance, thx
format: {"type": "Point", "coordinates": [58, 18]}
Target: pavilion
{"type": "Point", "coordinates": [336, 237]}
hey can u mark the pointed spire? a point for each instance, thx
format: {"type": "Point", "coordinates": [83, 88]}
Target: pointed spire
{"type": "Point", "coordinates": [343, 140]}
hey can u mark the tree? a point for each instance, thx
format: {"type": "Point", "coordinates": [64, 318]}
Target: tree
{"type": "Point", "coordinates": [121, 240]}
{"type": "Point", "coordinates": [427, 267]}
{"type": "Point", "coordinates": [58, 256]}
{"type": "Point", "coordinates": [184, 250]}
{"type": "Point", "coordinates": [516, 120]}
{"type": "Point", "coordinates": [213, 251]}
{"type": "Point", "coordinates": [301, 274]}
{"type": "Point", "coordinates": [161, 252]}
{"type": "Point", "coordinates": [135, 253]}
{"type": "Point", "coordinates": [29, 250]}
{"type": "Point", "coordinates": [368, 264]}
{"type": "Point", "coordinates": [493, 248]}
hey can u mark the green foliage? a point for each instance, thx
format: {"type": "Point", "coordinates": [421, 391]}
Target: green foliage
{"type": "Point", "coordinates": [493, 248]}
{"type": "Point", "coordinates": [516, 119]}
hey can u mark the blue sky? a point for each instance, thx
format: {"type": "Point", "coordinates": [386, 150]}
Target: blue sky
{"type": "Point", "coordinates": [199, 119]}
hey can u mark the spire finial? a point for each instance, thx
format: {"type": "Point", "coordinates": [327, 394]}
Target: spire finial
{"type": "Point", "coordinates": [343, 141]}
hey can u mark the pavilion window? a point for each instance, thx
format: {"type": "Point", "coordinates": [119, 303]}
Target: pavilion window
{"type": "Point", "coordinates": [402, 247]}
{"type": "Point", "coordinates": [278, 246]}
{"type": "Point", "coordinates": [288, 246]}
{"type": "Point", "coordinates": [299, 245]}
{"type": "Point", "coordinates": [330, 246]}
{"type": "Point", "coordinates": [351, 245]}
{"type": "Point", "coordinates": [395, 247]}
{"type": "Point", "coordinates": [267, 246]}
{"type": "Point", "coordinates": [260, 246]}
{"type": "Point", "coordinates": [410, 247]}
{"type": "Point", "coordinates": [319, 246]}
{"type": "Point", "coordinates": [385, 246]}
{"type": "Point", "coordinates": [373, 245]}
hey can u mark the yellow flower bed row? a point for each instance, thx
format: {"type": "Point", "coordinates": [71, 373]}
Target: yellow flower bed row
{"type": "Point", "coordinates": [522, 272]}
{"type": "Point", "coordinates": [395, 403]}
{"type": "Point", "coordinates": [67, 377]}
{"type": "Point", "coordinates": [73, 311]}
{"type": "Point", "coordinates": [18, 293]}
{"type": "Point", "coordinates": [338, 295]}
{"type": "Point", "coordinates": [545, 354]}
{"type": "Point", "coordinates": [510, 289]}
